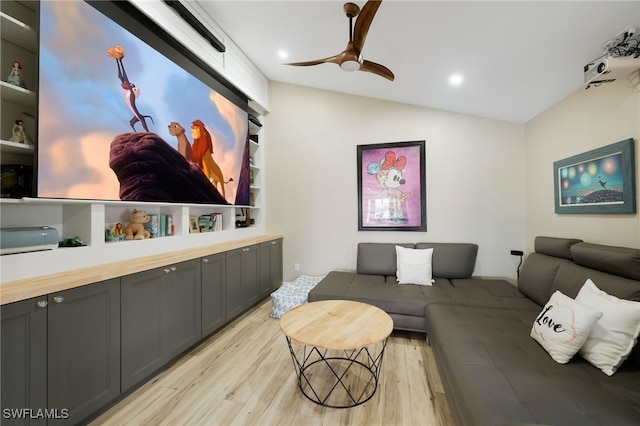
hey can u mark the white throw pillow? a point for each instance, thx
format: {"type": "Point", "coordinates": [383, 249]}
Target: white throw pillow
{"type": "Point", "coordinates": [613, 337]}
{"type": "Point", "coordinates": [413, 265]}
{"type": "Point", "coordinates": [563, 326]}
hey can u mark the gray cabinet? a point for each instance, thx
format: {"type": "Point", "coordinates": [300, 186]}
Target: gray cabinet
{"type": "Point", "coordinates": [83, 349]}
{"type": "Point", "coordinates": [24, 358]}
{"type": "Point", "coordinates": [161, 317]}
{"type": "Point", "coordinates": [184, 325]}
{"type": "Point", "coordinates": [234, 298]}
{"type": "Point", "coordinates": [242, 279]}
{"type": "Point", "coordinates": [251, 275]}
{"type": "Point", "coordinates": [61, 353]}
{"type": "Point", "coordinates": [270, 266]}
{"type": "Point", "coordinates": [213, 293]}
{"type": "Point", "coordinates": [73, 351]}
{"type": "Point", "coordinates": [142, 309]}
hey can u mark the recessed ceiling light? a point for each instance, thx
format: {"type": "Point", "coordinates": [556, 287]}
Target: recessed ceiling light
{"type": "Point", "coordinates": [456, 79]}
{"type": "Point", "coordinates": [282, 54]}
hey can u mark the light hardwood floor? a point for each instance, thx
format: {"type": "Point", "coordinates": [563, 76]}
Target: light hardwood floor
{"type": "Point", "coordinates": [244, 375]}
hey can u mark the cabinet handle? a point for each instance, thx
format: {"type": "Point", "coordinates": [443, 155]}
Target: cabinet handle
{"type": "Point", "coordinates": [205, 260]}
{"type": "Point", "coordinates": [58, 299]}
{"type": "Point", "coordinates": [173, 268]}
{"type": "Point", "coordinates": [42, 303]}
{"type": "Point", "coordinates": [166, 270]}
{"type": "Point", "coordinates": [273, 242]}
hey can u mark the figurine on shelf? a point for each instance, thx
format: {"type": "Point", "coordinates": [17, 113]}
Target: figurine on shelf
{"type": "Point", "coordinates": [15, 77]}
{"type": "Point", "coordinates": [19, 135]}
{"type": "Point", "coordinates": [72, 242]}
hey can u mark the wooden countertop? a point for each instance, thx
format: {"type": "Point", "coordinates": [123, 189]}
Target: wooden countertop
{"type": "Point", "coordinates": [14, 291]}
{"type": "Point", "coordinates": [336, 324]}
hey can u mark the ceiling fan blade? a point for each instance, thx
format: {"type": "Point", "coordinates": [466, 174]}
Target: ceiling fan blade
{"type": "Point", "coordinates": [332, 59]}
{"type": "Point", "coordinates": [363, 22]}
{"type": "Point", "coordinates": [378, 69]}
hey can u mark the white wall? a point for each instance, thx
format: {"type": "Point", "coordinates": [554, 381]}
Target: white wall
{"type": "Point", "coordinates": [586, 120]}
{"type": "Point", "coordinates": [474, 178]}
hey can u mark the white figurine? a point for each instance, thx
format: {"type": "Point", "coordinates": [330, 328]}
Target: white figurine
{"type": "Point", "coordinates": [19, 135]}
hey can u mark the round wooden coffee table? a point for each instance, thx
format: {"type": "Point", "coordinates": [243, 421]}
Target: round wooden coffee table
{"type": "Point", "coordinates": [337, 348]}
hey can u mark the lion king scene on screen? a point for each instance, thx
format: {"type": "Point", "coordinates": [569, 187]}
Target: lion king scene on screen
{"type": "Point", "coordinates": [121, 121]}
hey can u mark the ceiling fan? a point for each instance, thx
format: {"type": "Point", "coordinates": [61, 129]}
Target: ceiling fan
{"type": "Point", "coordinates": [351, 58]}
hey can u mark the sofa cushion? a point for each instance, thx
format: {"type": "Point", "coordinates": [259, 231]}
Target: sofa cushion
{"type": "Point", "coordinates": [499, 288]}
{"type": "Point", "coordinates": [388, 296]}
{"type": "Point", "coordinates": [556, 247]}
{"type": "Point", "coordinates": [621, 261]}
{"type": "Point", "coordinates": [563, 326]}
{"type": "Point", "coordinates": [378, 258]}
{"type": "Point", "coordinates": [492, 293]}
{"type": "Point", "coordinates": [570, 278]}
{"type": "Point", "coordinates": [414, 265]}
{"type": "Point", "coordinates": [333, 286]}
{"type": "Point", "coordinates": [537, 275]}
{"type": "Point", "coordinates": [614, 336]}
{"type": "Point", "coordinates": [452, 260]}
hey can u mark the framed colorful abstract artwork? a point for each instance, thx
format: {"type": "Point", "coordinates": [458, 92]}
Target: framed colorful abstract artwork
{"type": "Point", "coordinates": [391, 187]}
{"type": "Point", "coordinates": [597, 181]}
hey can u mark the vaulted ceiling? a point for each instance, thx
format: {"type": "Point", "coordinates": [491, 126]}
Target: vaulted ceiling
{"type": "Point", "coordinates": [517, 58]}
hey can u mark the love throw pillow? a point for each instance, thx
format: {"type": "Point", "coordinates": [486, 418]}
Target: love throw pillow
{"type": "Point", "coordinates": [413, 265]}
{"type": "Point", "coordinates": [613, 337]}
{"type": "Point", "coordinates": [563, 326]}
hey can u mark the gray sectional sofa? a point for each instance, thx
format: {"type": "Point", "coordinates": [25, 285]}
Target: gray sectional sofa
{"type": "Point", "coordinates": [494, 373]}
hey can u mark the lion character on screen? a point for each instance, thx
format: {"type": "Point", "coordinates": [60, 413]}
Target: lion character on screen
{"type": "Point", "coordinates": [184, 146]}
{"type": "Point", "coordinates": [203, 156]}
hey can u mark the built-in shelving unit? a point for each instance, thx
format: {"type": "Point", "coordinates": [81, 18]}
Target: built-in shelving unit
{"type": "Point", "coordinates": [19, 42]}
{"type": "Point", "coordinates": [255, 180]}
{"type": "Point", "coordinates": [88, 219]}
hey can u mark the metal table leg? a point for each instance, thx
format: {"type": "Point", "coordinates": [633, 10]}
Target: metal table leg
{"type": "Point", "coordinates": [337, 379]}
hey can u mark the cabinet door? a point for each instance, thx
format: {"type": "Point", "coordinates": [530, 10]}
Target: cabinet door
{"type": "Point", "coordinates": [265, 269]}
{"type": "Point", "coordinates": [84, 349]}
{"type": "Point", "coordinates": [213, 293]}
{"type": "Point", "coordinates": [24, 359]}
{"type": "Point", "coordinates": [183, 324]}
{"type": "Point", "coordinates": [142, 337]}
{"type": "Point", "coordinates": [276, 264]}
{"type": "Point", "coordinates": [234, 295]}
{"type": "Point", "coordinates": [270, 266]}
{"type": "Point", "coordinates": [251, 274]}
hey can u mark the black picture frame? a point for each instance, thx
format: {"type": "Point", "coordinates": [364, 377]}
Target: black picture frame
{"type": "Point", "coordinates": [392, 186]}
{"type": "Point", "coordinates": [600, 181]}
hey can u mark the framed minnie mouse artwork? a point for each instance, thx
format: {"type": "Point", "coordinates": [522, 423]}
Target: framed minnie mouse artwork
{"type": "Point", "coordinates": [392, 187]}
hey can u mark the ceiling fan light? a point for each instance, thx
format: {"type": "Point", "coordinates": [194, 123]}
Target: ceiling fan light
{"type": "Point", "coordinates": [350, 65]}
